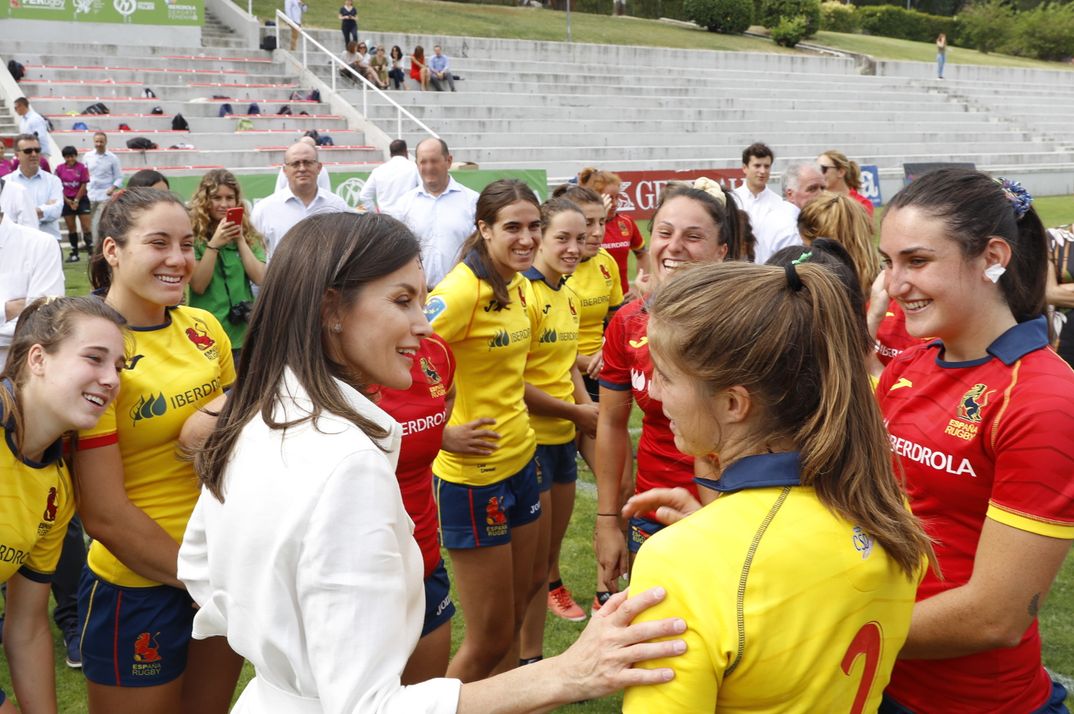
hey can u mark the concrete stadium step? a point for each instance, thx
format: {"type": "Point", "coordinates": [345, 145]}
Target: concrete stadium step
{"type": "Point", "coordinates": [93, 49]}
{"type": "Point", "coordinates": [247, 140]}
{"type": "Point", "coordinates": [486, 153]}
{"type": "Point", "coordinates": [148, 76]}
{"type": "Point", "coordinates": [597, 125]}
{"type": "Point", "coordinates": [442, 116]}
{"type": "Point", "coordinates": [252, 65]}
{"type": "Point", "coordinates": [149, 122]}
{"type": "Point", "coordinates": [235, 92]}
{"type": "Point", "coordinates": [784, 138]}
{"type": "Point", "coordinates": [238, 158]}
{"type": "Point", "coordinates": [139, 105]}
{"type": "Point", "coordinates": [440, 101]}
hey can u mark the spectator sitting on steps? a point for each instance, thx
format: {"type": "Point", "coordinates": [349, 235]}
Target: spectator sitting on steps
{"type": "Point", "coordinates": [440, 71]}
{"type": "Point", "coordinates": [418, 71]}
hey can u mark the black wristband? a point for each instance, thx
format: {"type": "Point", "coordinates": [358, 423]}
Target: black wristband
{"type": "Point", "coordinates": [609, 515]}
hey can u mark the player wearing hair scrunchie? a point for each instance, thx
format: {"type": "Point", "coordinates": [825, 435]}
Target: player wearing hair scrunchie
{"type": "Point", "coordinates": [980, 420]}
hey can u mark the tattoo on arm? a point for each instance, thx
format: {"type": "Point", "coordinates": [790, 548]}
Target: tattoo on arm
{"type": "Point", "coordinates": [1034, 605]}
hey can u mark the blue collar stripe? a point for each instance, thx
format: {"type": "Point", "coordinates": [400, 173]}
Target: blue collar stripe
{"type": "Point", "coordinates": [760, 471]}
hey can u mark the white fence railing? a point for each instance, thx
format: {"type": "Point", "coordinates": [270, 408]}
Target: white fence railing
{"type": "Point", "coordinates": [333, 61]}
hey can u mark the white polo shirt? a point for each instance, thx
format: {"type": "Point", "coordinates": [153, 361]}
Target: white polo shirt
{"type": "Point", "coordinates": [442, 224]}
{"type": "Point", "coordinates": [768, 219]}
{"type": "Point", "coordinates": [779, 230]}
{"type": "Point", "coordinates": [275, 215]}
{"type": "Point", "coordinates": [389, 183]}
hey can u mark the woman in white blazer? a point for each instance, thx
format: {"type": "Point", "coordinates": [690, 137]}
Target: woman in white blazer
{"type": "Point", "coordinates": [299, 550]}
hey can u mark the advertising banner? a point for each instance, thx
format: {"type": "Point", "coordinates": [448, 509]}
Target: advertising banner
{"type": "Point", "coordinates": [641, 189]}
{"type": "Point", "coordinates": [870, 183]}
{"type": "Point", "coordinates": [129, 12]}
{"type": "Point", "coordinates": [348, 185]}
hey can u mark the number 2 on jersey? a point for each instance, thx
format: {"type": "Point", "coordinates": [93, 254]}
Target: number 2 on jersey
{"type": "Point", "coordinates": [868, 641]}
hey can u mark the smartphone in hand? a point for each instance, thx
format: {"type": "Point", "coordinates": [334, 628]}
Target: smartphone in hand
{"type": "Point", "coordinates": [234, 215]}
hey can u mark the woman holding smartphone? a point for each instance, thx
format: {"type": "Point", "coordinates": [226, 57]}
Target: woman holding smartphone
{"type": "Point", "coordinates": [230, 255]}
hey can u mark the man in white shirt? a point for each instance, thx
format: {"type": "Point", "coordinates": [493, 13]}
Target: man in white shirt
{"type": "Point", "coordinates": [390, 182]}
{"type": "Point", "coordinates": [30, 122]}
{"type": "Point", "coordinates": [440, 211]}
{"type": "Point", "coordinates": [106, 176]}
{"type": "Point", "coordinates": [754, 196]}
{"type": "Point", "coordinates": [802, 182]}
{"type": "Point", "coordinates": [276, 214]}
{"type": "Point", "coordinates": [45, 190]}
{"type": "Point", "coordinates": [16, 206]}
{"type": "Point", "coordinates": [31, 266]}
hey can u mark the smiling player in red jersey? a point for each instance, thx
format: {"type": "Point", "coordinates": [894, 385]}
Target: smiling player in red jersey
{"type": "Point", "coordinates": [980, 420]}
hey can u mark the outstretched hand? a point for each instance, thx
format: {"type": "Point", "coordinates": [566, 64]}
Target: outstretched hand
{"type": "Point", "coordinates": [668, 504]}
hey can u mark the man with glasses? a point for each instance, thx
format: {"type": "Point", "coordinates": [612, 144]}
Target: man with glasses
{"type": "Point", "coordinates": [46, 191]}
{"type": "Point", "coordinates": [276, 214]}
{"type": "Point", "coordinates": [30, 122]}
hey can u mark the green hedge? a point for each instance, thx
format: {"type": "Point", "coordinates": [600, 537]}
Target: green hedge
{"type": "Point", "coordinates": [890, 21]}
{"type": "Point", "coordinates": [773, 11]}
{"type": "Point", "coordinates": [725, 16]}
{"type": "Point", "coordinates": [947, 8]}
{"type": "Point", "coordinates": [839, 17]}
{"type": "Point", "coordinates": [789, 31]}
{"type": "Point", "coordinates": [1045, 32]}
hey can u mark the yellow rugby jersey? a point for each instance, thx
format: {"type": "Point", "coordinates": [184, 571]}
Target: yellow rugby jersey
{"type": "Point", "coordinates": [599, 290]}
{"type": "Point", "coordinates": [175, 369]}
{"type": "Point", "coordinates": [36, 504]}
{"type": "Point", "coordinates": [552, 354]}
{"type": "Point", "coordinates": [490, 349]}
{"type": "Point", "coordinates": [789, 608]}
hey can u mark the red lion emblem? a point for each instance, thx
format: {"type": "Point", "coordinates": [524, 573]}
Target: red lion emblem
{"type": "Point", "coordinates": [521, 296]}
{"type": "Point", "coordinates": [145, 649]}
{"type": "Point", "coordinates": [493, 513]}
{"type": "Point", "coordinates": [570, 304]}
{"type": "Point", "coordinates": [50, 506]}
{"type": "Point", "coordinates": [201, 339]}
{"type": "Point", "coordinates": [605, 273]}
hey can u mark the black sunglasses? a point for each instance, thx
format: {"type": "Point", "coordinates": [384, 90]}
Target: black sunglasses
{"type": "Point", "coordinates": [826, 169]}
{"type": "Point", "coordinates": [30, 151]}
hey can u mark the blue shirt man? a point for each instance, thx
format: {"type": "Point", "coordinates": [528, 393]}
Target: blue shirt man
{"type": "Point", "coordinates": [439, 71]}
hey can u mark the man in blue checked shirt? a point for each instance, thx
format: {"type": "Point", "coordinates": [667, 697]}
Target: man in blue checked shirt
{"type": "Point", "coordinates": [439, 70]}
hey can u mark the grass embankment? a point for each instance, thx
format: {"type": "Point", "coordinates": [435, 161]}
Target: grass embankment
{"type": "Point", "coordinates": [450, 18]}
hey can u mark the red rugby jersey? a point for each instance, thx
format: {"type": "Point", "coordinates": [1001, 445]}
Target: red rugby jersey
{"type": "Point", "coordinates": [891, 336]}
{"type": "Point", "coordinates": [627, 366]}
{"type": "Point", "coordinates": [420, 411]}
{"type": "Point", "coordinates": [993, 437]}
{"type": "Point", "coordinates": [621, 235]}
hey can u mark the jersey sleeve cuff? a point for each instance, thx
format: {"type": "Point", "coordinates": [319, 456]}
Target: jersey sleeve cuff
{"type": "Point", "coordinates": [85, 443]}
{"type": "Point", "coordinates": [1029, 523]}
{"type": "Point", "coordinates": [35, 576]}
{"type": "Point", "coordinates": [614, 386]}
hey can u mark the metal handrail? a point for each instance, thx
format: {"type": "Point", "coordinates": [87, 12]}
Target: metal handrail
{"type": "Point", "coordinates": [366, 84]}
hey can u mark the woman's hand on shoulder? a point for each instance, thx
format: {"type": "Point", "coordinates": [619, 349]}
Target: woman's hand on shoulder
{"type": "Point", "coordinates": [601, 660]}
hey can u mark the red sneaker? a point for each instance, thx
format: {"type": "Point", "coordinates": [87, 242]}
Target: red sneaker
{"type": "Point", "coordinates": [563, 605]}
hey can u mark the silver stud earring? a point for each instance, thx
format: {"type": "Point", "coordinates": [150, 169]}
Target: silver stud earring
{"type": "Point", "coordinates": [337, 328]}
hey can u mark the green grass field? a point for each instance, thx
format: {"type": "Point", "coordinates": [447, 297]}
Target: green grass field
{"type": "Point", "coordinates": [893, 49]}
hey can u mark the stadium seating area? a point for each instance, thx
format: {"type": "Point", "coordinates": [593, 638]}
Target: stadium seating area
{"type": "Point", "coordinates": [560, 107]}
